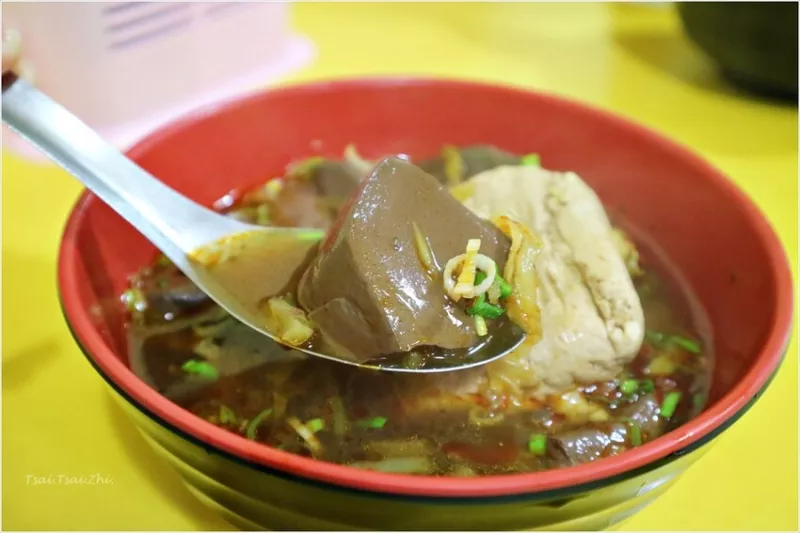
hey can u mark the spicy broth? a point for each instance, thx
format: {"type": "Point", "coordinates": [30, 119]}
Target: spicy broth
{"type": "Point", "coordinates": [202, 359]}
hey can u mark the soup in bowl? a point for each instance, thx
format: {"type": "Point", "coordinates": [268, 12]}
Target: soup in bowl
{"type": "Point", "coordinates": [649, 329]}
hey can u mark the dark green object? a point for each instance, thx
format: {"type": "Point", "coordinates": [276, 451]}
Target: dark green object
{"type": "Point", "coordinates": [252, 426]}
{"type": "Point", "coordinates": [669, 404]}
{"type": "Point", "coordinates": [647, 386]}
{"type": "Point", "coordinates": [481, 307]}
{"type": "Point", "coordinates": [689, 345]}
{"type": "Point", "coordinates": [531, 160]}
{"type": "Point", "coordinates": [754, 44]}
{"type": "Point", "coordinates": [315, 425]}
{"type": "Point", "coordinates": [635, 433]}
{"type": "Point", "coordinates": [376, 422]}
{"type": "Point", "coordinates": [629, 386]}
{"type": "Point", "coordinates": [661, 340]}
{"type": "Point", "coordinates": [537, 444]}
{"type": "Point", "coordinates": [200, 368]}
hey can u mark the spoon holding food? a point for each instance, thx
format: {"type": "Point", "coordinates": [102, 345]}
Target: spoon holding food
{"type": "Point", "coordinates": [354, 297]}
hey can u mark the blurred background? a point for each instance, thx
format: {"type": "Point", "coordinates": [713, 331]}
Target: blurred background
{"type": "Point", "coordinates": [719, 78]}
{"type": "Point", "coordinates": [149, 62]}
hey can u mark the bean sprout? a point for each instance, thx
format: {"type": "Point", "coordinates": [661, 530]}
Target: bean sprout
{"type": "Point", "coordinates": [310, 439]}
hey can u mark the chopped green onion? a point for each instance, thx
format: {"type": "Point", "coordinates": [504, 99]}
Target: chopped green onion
{"type": "Point", "coordinates": [252, 426]}
{"type": "Point", "coordinates": [635, 434]}
{"type": "Point", "coordinates": [531, 160]}
{"type": "Point", "coordinates": [669, 404]}
{"type": "Point", "coordinates": [134, 300]}
{"type": "Point", "coordinates": [490, 311]}
{"type": "Point", "coordinates": [315, 425]}
{"type": "Point", "coordinates": [480, 307]}
{"type": "Point", "coordinates": [309, 234]}
{"type": "Point", "coordinates": [537, 444]}
{"type": "Point", "coordinates": [505, 287]}
{"type": "Point", "coordinates": [471, 310]}
{"type": "Point", "coordinates": [647, 385]}
{"type": "Point", "coordinates": [376, 422]}
{"type": "Point", "coordinates": [200, 368]}
{"type": "Point", "coordinates": [226, 415]}
{"type": "Point", "coordinates": [660, 339]}
{"type": "Point", "coordinates": [629, 386]}
{"type": "Point", "coordinates": [690, 345]}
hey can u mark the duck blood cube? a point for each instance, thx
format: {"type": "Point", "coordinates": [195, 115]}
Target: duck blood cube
{"type": "Point", "coordinates": [368, 292]}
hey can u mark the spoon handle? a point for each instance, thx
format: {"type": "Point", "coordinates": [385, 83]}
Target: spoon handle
{"type": "Point", "coordinates": [171, 221]}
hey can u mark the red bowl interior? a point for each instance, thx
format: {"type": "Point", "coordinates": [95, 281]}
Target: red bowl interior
{"type": "Point", "coordinates": [723, 247]}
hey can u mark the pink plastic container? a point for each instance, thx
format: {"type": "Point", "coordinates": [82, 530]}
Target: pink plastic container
{"type": "Point", "coordinates": [127, 68]}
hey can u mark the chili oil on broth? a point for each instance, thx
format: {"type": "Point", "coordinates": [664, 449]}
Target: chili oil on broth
{"type": "Point", "coordinates": [199, 357]}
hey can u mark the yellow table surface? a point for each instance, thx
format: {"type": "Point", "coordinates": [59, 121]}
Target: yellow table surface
{"type": "Point", "coordinates": [632, 59]}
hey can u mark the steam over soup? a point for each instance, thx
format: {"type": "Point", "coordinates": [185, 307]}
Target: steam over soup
{"type": "Point", "coordinates": [612, 358]}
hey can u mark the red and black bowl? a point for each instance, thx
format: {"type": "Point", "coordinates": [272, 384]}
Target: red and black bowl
{"type": "Point", "coordinates": [722, 245]}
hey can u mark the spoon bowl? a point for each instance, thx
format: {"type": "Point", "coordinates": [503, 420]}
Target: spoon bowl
{"type": "Point", "coordinates": [178, 226]}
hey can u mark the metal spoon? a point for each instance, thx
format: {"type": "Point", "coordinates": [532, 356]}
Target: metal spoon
{"type": "Point", "coordinates": [172, 222]}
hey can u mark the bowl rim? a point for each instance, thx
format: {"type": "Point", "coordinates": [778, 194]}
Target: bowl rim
{"type": "Point", "coordinates": [692, 434]}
